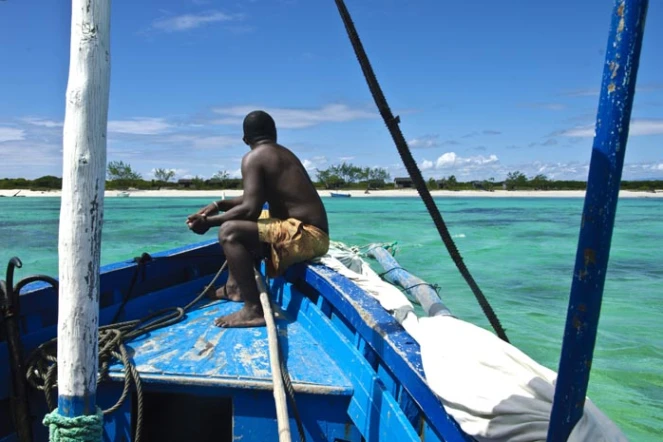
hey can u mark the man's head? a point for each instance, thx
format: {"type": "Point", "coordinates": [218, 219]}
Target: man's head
{"type": "Point", "coordinates": [259, 126]}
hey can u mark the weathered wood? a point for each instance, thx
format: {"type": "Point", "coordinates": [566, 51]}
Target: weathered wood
{"type": "Point", "coordinates": [279, 390]}
{"type": "Point", "coordinates": [81, 212]}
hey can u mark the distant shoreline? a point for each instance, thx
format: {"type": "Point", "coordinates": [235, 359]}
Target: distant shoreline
{"type": "Point", "coordinates": [217, 194]}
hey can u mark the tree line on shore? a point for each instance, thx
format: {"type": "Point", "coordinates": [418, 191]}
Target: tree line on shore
{"type": "Point", "coordinates": [347, 176]}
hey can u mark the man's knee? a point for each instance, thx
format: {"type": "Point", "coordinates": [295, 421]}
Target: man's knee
{"type": "Point", "coordinates": [239, 232]}
{"type": "Point", "coordinates": [228, 232]}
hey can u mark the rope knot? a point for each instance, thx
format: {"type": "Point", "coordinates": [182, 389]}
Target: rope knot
{"type": "Point", "coordinates": [74, 429]}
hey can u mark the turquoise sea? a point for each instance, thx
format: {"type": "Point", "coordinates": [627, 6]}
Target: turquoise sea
{"type": "Point", "coordinates": [519, 250]}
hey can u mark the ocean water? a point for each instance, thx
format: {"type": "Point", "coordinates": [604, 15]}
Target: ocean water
{"type": "Point", "coordinates": [520, 251]}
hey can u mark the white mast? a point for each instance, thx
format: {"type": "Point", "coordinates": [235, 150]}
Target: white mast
{"type": "Point", "coordinates": [81, 212]}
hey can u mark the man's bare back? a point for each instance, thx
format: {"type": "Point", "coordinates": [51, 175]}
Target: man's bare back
{"type": "Point", "coordinates": [288, 187]}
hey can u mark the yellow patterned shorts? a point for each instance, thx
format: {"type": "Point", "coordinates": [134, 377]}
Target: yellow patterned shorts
{"type": "Point", "coordinates": [291, 241]}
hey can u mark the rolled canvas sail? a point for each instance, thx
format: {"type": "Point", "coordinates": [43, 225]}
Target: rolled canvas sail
{"type": "Point", "coordinates": [492, 389]}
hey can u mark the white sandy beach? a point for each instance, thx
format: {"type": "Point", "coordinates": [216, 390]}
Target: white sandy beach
{"type": "Point", "coordinates": [218, 194]}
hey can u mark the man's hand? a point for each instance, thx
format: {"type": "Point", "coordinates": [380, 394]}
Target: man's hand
{"type": "Point", "coordinates": [209, 210]}
{"type": "Point", "coordinates": [198, 223]}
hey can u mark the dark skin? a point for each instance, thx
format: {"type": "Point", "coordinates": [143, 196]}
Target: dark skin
{"type": "Point", "coordinates": [271, 173]}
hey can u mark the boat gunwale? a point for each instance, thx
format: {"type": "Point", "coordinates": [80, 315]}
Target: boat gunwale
{"type": "Point", "coordinates": [126, 264]}
{"type": "Point", "coordinates": [401, 355]}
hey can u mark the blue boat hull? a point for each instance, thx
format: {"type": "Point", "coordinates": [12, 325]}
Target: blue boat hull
{"type": "Point", "coordinates": [356, 373]}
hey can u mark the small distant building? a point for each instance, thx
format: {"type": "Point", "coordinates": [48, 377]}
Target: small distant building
{"type": "Point", "coordinates": [185, 183]}
{"type": "Point", "coordinates": [403, 183]}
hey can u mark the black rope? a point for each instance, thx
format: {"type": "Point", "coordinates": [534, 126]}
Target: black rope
{"type": "Point", "coordinates": [141, 261]}
{"type": "Point", "coordinates": [412, 168]}
{"type": "Point", "coordinates": [433, 286]}
{"type": "Point", "coordinates": [391, 270]}
{"type": "Point", "coordinates": [42, 362]}
{"type": "Point", "coordinates": [285, 375]}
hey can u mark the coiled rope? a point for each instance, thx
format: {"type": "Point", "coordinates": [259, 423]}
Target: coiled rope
{"type": "Point", "coordinates": [42, 362]}
{"type": "Point", "coordinates": [412, 168]}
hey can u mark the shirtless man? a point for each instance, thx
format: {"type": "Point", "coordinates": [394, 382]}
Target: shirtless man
{"type": "Point", "coordinates": [296, 230]}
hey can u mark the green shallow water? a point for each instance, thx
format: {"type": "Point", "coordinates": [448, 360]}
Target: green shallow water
{"type": "Point", "coordinates": [520, 251]}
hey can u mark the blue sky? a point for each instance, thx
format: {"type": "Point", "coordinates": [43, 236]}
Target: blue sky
{"type": "Point", "coordinates": [482, 87]}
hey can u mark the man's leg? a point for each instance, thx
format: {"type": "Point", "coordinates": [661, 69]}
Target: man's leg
{"type": "Point", "coordinates": [230, 290]}
{"type": "Point", "coordinates": [242, 246]}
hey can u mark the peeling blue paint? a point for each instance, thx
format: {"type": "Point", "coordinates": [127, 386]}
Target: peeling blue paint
{"type": "Point", "coordinates": [605, 171]}
{"type": "Point", "coordinates": [196, 348]}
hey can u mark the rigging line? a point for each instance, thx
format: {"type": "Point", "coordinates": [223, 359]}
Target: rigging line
{"type": "Point", "coordinates": [412, 168]}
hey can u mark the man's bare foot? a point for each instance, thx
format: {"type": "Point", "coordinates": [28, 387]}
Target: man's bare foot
{"type": "Point", "coordinates": [225, 293]}
{"type": "Point", "coordinates": [248, 316]}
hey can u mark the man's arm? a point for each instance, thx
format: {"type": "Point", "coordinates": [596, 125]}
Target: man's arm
{"type": "Point", "coordinates": [226, 205]}
{"type": "Point", "coordinates": [250, 205]}
{"type": "Point", "coordinates": [215, 207]}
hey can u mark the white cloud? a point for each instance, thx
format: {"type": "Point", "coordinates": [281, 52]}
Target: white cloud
{"type": "Point", "coordinates": [646, 127]}
{"type": "Point", "coordinates": [451, 159]}
{"type": "Point", "coordinates": [595, 92]}
{"type": "Point", "coordinates": [215, 142]}
{"type": "Point", "coordinates": [43, 122]}
{"type": "Point", "coordinates": [27, 159]}
{"type": "Point", "coordinates": [11, 134]}
{"type": "Point", "coordinates": [558, 171]}
{"type": "Point", "coordinates": [465, 168]}
{"type": "Point", "coordinates": [139, 126]}
{"type": "Point", "coordinates": [589, 92]}
{"type": "Point", "coordinates": [186, 22]}
{"type": "Point", "coordinates": [652, 126]}
{"type": "Point", "coordinates": [447, 159]}
{"type": "Point", "coordinates": [430, 141]}
{"type": "Point", "coordinates": [426, 165]}
{"type": "Point", "coordinates": [572, 170]}
{"type": "Point", "coordinates": [482, 132]}
{"type": "Point", "coordinates": [346, 158]}
{"type": "Point", "coordinates": [579, 131]}
{"type": "Point", "coordinates": [294, 118]}
{"type": "Point", "coordinates": [310, 164]}
{"type": "Point", "coordinates": [424, 142]}
{"type": "Point", "coordinates": [201, 141]}
{"type": "Point", "coordinates": [579, 171]}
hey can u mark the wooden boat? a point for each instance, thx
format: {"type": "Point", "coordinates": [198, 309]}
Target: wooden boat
{"type": "Point", "coordinates": [340, 195]}
{"type": "Point", "coordinates": [356, 373]}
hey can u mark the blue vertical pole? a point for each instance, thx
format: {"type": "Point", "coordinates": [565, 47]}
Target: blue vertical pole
{"type": "Point", "coordinates": [605, 171]}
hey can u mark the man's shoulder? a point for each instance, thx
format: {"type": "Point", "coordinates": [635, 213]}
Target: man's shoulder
{"type": "Point", "coordinates": [254, 154]}
{"type": "Point", "coordinates": [257, 157]}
